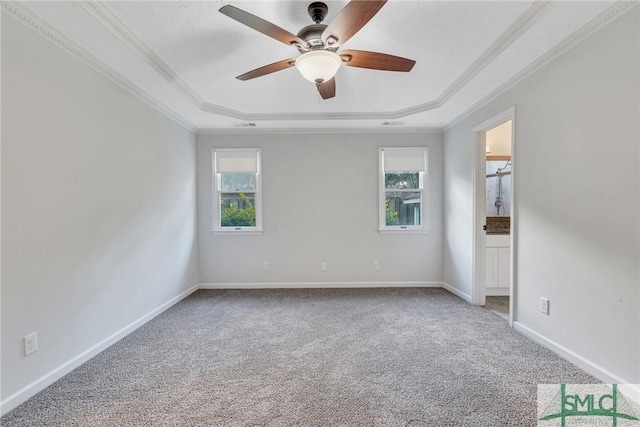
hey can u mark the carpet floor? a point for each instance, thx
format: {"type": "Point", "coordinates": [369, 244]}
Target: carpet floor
{"type": "Point", "coordinates": [308, 357]}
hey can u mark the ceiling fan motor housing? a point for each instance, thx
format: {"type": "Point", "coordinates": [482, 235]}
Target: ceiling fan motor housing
{"type": "Point", "coordinates": [317, 11]}
{"type": "Point", "coordinates": [312, 34]}
{"type": "Point", "coordinates": [318, 44]}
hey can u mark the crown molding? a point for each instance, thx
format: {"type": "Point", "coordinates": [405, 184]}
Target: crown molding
{"type": "Point", "coordinates": [108, 19]}
{"type": "Point", "coordinates": [315, 131]}
{"type": "Point", "coordinates": [118, 28]}
{"type": "Point", "coordinates": [508, 37]}
{"type": "Point", "coordinates": [603, 19]}
{"type": "Point", "coordinates": [336, 115]}
{"type": "Point", "coordinates": [35, 23]}
{"type": "Point", "coordinates": [111, 22]}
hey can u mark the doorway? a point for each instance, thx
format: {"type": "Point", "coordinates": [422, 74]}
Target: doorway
{"type": "Point", "coordinates": [494, 216]}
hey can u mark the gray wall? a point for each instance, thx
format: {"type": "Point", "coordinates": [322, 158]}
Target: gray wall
{"type": "Point", "coordinates": [98, 197]}
{"type": "Point", "coordinates": [98, 207]}
{"type": "Point", "coordinates": [320, 204]}
{"type": "Point", "coordinates": [577, 195]}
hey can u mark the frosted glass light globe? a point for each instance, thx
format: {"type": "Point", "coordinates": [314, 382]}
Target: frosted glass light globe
{"type": "Point", "coordinates": [318, 66]}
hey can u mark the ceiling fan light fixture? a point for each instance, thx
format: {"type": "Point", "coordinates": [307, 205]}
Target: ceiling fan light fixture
{"type": "Point", "coordinates": [318, 66]}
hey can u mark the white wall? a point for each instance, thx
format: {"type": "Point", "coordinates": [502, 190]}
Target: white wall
{"type": "Point", "coordinates": [577, 192]}
{"type": "Point", "coordinates": [98, 208]}
{"type": "Point", "coordinates": [320, 204]}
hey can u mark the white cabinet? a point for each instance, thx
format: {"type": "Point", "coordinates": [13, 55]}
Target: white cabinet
{"type": "Point", "coordinates": [504, 267]}
{"type": "Point", "coordinates": [491, 270]}
{"type": "Point", "coordinates": [498, 265]}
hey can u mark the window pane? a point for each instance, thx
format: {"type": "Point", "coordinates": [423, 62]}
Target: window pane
{"type": "Point", "coordinates": [238, 182]}
{"type": "Point", "coordinates": [401, 180]}
{"type": "Point", "coordinates": [402, 207]}
{"type": "Point", "coordinates": [237, 210]}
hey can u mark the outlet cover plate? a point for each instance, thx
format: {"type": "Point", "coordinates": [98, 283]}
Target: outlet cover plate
{"type": "Point", "coordinates": [30, 343]}
{"type": "Point", "coordinates": [544, 305]}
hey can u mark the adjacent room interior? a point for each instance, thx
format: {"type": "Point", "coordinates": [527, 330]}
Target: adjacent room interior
{"type": "Point", "coordinates": [499, 191]}
{"type": "Point", "coordinates": [446, 213]}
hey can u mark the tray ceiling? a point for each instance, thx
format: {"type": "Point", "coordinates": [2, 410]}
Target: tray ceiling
{"type": "Point", "coordinates": [183, 57]}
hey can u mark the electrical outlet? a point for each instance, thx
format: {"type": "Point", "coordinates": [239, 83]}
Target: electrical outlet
{"type": "Point", "coordinates": [30, 343]}
{"type": "Point", "coordinates": [266, 266]}
{"type": "Point", "coordinates": [376, 266]}
{"type": "Point", "coordinates": [544, 305]}
{"type": "Point", "coordinates": [323, 266]}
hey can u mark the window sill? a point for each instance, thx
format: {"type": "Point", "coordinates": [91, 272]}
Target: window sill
{"type": "Point", "coordinates": [255, 232]}
{"type": "Point", "coordinates": [403, 231]}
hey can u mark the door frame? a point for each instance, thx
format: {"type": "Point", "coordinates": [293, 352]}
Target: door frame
{"type": "Point", "coordinates": [478, 293]}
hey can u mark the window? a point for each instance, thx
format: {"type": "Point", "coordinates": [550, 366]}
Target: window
{"type": "Point", "coordinates": [403, 192]}
{"type": "Point", "coordinates": [237, 204]}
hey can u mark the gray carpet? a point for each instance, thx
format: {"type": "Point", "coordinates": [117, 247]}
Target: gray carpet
{"type": "Point", "coordinates": [316, 357]}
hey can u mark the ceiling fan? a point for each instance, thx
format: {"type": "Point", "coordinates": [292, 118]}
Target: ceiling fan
{"type": "Point", "coordinates": [319, 43]}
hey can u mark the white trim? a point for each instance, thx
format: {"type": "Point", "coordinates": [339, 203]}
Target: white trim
{"type": "Point", "coordinates": [315, 131]}
{"type": "Point", "coordinates": [319, 285]}
{"type": "Point", "coordinates": [30, 19]}
{"type": "Point", "coordinates": [425, 218]}
{"type": "Point", "coordinates": [110, 21]}
{"type": "Point", "coordinates": [49, 378]}
{"type": "Point", "coordinates": [457, 292]}
{"type": "Point", "coordinates": [404, 231]}
{"type": "Point", "coordinates": [478, 290]}
{"type": "Point", "coordinates": [506, 39]}
{"type": "Point", "coordinates": [104, 16]}
{"type": "Point", "coordinates": [496, 120]}
{"type": "Point", "coordinates": [632, 391]}
{"type": "Point", "coordinates": [241, 231]}
{"type": "Point", "coordinates": [616, 10]}
{"type": "Point", "coordinates": [513, 224]}
{"type": "Point", "coordinates": [573, 357]}
{"type": "Point", "coordinates": [478, 255]}
{"type": "Point", "coordinates": [216, 228]}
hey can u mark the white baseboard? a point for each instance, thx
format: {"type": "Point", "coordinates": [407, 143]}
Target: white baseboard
{"type": "Point", "coordinates": [312, 285]}
{"type": "Point", "coordinates": [626, 387]}
{"type": "Point", "coordinates": [319, 285]}
{"type": "Point", "coordinates": [457, 292]}
{"type": "Point", "coordinates": [46, 380]}
{"type": "Point", "coordinates": [632, 391]}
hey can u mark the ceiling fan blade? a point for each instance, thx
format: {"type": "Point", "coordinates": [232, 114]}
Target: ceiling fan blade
{"type": "Point", "coordinates": [376, 61]}
{"type": "Point", "coordinates": [268, 69]}
{"type": "Point", "coordinates": [350, 20]}
{"type": "Point", "coordinates": [265, 27]}
{"type": "Point", "coordinates": [327, 89]}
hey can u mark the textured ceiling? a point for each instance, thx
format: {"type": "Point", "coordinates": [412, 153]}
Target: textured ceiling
{"type": "Point", "coordinates": [183, 57]}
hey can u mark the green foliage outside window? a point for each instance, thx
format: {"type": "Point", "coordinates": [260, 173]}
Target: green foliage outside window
{"type": "Point", "coordinates": [391, 216]}
{"type": "Point", "coordinates": [401, 180]}
{"type": "Point", "coordinates": [233, 216]}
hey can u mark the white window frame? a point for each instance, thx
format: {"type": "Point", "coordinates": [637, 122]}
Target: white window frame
{"type": "Point", "coordinates": [216, 193]}
{"type": "Point", "coordinates": [424, 190]}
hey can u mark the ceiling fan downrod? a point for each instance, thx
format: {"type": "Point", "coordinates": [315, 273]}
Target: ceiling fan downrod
{"type": "Point", "coordinates": [318, 44]}
{"type": "Point", "coordinates": [317, 11]}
